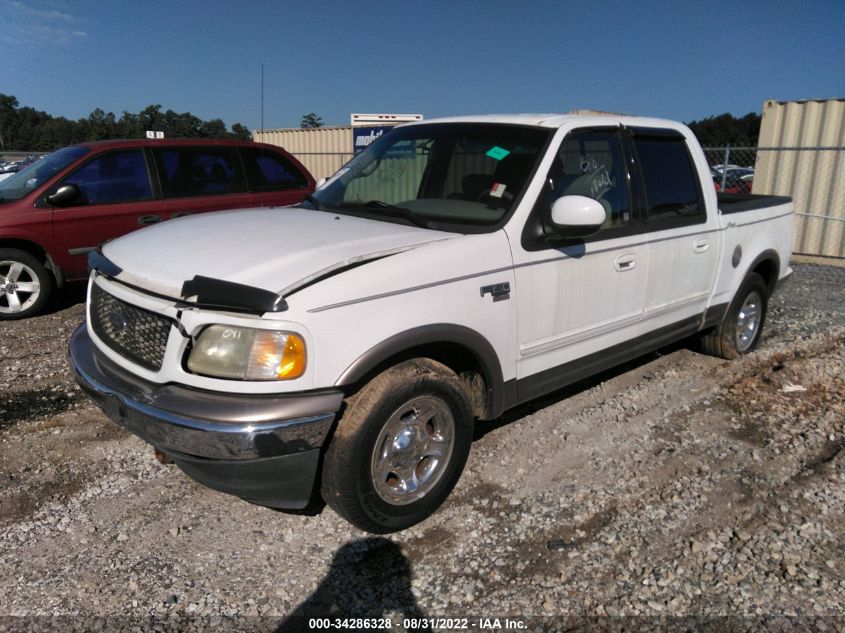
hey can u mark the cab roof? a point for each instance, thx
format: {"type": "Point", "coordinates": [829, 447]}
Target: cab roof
{"type": "Point", "coordinates": [552, 120]}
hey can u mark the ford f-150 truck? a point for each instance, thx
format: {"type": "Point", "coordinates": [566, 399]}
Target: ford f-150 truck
{"type": "Point", "coordinates": [454, 269]}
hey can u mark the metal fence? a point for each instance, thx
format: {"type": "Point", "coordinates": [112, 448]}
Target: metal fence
{"type": "Point", "coordinates": [323, 164]}
{"type": "Point", "coordinates": [323, 150]}
{"type": "Point", "coordinates": [814, 177]}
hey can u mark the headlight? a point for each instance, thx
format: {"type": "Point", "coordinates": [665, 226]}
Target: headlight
{"type": "Point", "coordinates": [226, 351]}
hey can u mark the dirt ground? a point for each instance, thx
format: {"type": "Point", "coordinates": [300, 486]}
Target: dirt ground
{"type": "Point", "coordinates": [681, 491]}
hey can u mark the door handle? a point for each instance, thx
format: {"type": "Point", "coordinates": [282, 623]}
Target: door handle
{"type": "Point", "coordinates": [149, 219]}
{"type": "Point", "coordinates": [628, 261]}
{"type": "Point", "coordinates": [701, 246]}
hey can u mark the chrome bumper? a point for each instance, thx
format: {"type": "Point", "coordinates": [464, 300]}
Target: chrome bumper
{"type": "Point", "coordinates": [264, 448]}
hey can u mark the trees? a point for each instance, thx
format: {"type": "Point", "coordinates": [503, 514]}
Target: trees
{"type": "Point", "coordinates": [311, 120]}
{"type": "Point", "coordinates": [241, 132]}
{"type": "Point", "coordinates": [726, 129]}
{"type": "Point", "coordinates": [8, 106]}
{"type": "Point", "coordinates": [99, 125]}
{"type": "Point", "coordinates": [214, 128]}
{"type": "Point", "coordinates": [24, 128]}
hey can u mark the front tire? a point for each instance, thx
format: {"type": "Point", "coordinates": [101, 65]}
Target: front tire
{"type": "Point", "coordinates": [25, 285]}
{"type": "Point", "coordinates": [739, 332]}
{"type": "Point", "coordinates": [399, 448]}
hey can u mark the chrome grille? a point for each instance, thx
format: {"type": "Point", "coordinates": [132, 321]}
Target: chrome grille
{"type": "Point", "coordinates": [135, 333]}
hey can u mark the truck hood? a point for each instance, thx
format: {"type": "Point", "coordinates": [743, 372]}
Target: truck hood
{"type": "Point", "coordinates": [275, 249]}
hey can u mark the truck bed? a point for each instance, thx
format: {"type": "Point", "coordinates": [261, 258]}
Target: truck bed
{"type": "Point", "coordinates": [736, 202]}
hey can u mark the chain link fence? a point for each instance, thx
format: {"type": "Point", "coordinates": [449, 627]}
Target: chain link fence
{"type": "Point", "coordinates": [322, 164]}
{"type": "Point", "coordinates": [814, 177]}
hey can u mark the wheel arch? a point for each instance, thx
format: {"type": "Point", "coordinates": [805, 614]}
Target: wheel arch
{"type": "Point", "coordinates": [767, 265]}
{"type": "Point", "coordinates": [37, 251]}
{"type": "Point", "coordinates": [466, 352]}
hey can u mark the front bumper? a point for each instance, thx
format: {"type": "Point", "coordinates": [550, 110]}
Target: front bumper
{"type": "Point", "coordinates": [263, 448]}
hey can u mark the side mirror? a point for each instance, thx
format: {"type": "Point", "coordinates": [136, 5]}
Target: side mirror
{"type": "Point", "coordinates": [65, 196]}
{"type": "Point", "coordinates": [577, 216]}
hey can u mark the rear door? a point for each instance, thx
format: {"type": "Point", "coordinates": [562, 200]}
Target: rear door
{"type": "Point", "coordinates": [116, 196]}
{"type": "Point", "coordinates": [683, 241]}
{"type": "Point", "coordinates": [196, 179]}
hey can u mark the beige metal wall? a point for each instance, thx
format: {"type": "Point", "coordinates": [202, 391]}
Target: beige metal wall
{"type": "Point", "coordinates": [323, 150]}
{"type": "Point", "coordinates": [802, 154]}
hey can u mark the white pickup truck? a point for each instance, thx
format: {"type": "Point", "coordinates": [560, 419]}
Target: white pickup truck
{"type": "Point", "coordinates": [456, 268]}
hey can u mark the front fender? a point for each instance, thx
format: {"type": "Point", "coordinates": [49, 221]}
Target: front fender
{"type": "Point", "coordinates": [438, 333]}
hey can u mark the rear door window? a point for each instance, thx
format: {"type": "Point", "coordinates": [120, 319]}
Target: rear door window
{"type": "Point", "coordinates": [670, 182]}
{"type": "Point", "coordinates": [199, 171]}
{"type": "Point", "coordinates": [119, 176]}
{"type": "Point", "coordinates": [267, 170]}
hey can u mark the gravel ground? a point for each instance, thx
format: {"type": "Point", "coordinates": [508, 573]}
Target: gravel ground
{"type": "Point", "coordinates": [681, 492]}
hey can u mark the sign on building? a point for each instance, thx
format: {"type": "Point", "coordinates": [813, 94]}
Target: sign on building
{"type": "Point", "coordinates": [366, 128]}
{"type": "Point", "coordinates": [363, 136]}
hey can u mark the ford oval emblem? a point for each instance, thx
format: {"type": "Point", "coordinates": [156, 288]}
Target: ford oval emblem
{"type": "Point", "coordinates": [118, 321]}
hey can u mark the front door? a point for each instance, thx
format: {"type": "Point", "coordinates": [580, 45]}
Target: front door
{"type": "Point", "coordinates": [115, 197]}
{"type": "Point", "coordinates": [581, 303]}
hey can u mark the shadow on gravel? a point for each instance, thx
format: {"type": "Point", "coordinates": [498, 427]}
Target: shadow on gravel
{"type": "Point", "coordinates": [368, 579]}
{"type": "Point", "coordinates": [70, 294]}
{"type": "Point", "coordinates": [37, 490]}
{"type": "Point", "coordinates": [526, 409]}
{"type": "Point", "coordinates": [27, 405]}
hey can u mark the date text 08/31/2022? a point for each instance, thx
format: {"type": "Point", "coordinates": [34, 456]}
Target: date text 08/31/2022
{"type": "Point", "coordinates": [449, 624]}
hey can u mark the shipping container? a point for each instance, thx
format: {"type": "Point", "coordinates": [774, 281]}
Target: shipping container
{"type": "Point", "coordinates": [801, 154]}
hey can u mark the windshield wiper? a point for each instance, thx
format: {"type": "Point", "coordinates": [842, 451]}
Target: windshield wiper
{"type": "Point", "coordinates": [402, 212]}
{"type": "Point", "coordinates": [317, 204]}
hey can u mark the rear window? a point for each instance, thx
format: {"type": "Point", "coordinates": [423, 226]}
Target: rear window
{"type": "Point", "coordinates": [671, 185]}
{"type": "Point", "coordinates": [199, 171]}
{"type": "Point", "coordinates": [267, 170]}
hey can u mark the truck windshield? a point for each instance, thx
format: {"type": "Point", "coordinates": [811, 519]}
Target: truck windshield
{"type": "Point", "coordinates": [34, 175]}
{"type": "Point", "coordinates": [451, 176]}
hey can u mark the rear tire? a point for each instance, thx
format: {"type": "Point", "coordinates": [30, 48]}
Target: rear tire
{"type": "Point", "coordinates": [739, 332]}
{"type": "Point", "coordinates": [25, 285]}
{"type": "Point", "coordinates": [399, 448]}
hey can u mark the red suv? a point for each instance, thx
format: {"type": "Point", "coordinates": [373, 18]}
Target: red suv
{"type": "Point", "coordinates": [57, 210]}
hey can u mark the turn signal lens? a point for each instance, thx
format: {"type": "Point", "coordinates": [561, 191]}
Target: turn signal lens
{"type": "Point", "coordinates": [279, 353]}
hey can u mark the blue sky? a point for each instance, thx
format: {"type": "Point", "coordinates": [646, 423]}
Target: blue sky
{"type": "Point", "coordinates": [683, 60]}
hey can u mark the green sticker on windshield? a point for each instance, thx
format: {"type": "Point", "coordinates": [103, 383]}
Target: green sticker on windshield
{"type": "Point", "coordinates": [497, 153]}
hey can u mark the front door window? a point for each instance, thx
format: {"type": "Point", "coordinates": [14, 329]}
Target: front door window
{"type": "Point", "coordinates": [120, 176]}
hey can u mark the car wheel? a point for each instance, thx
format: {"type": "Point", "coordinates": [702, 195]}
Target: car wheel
{"type": "Point", "coordinates": [399, 447]}
{"type": "Point", "coordinates": [25, 284]}
{"type": "Point", "coordinates": [740, 330]}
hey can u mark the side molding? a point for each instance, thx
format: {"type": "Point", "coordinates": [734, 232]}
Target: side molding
{"type": "Point", "coordinates": [437, 333]}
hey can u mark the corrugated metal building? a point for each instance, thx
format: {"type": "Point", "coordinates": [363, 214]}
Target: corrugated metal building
{"type": "Point", "coordinates": [323, 150]}
{"type": "Point", "coordinates": [802, 154]}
